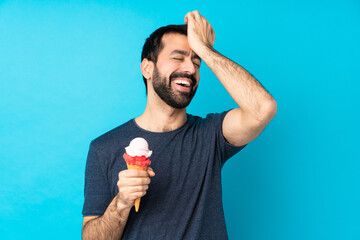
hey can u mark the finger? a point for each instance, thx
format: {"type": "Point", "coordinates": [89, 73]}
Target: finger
{"type": "Point", "coordinates": [196, 14]}
{"type": "Point", "coordinates": [133, 189]}
{"type": "Point", "coordinates": [151, 172]}
{"type": "Point", "coordinates": [213, 34]}
{"type": "Point", "coordinates": [130, 197]}
{"type": "Point", "coordinates": [138, 195]}
{"type": "Point", "coordinates": [203, 20]}
{"type": "Point", "coordinates": [133, 181]}
{"type": "Point", "coordinates": [133, 173]}
{"type": "Point", "coordinates": [126, 192]}
{"type": "Point", "coordinates": [123, 182]}
{"type": "Point", "coordinates": [189, 17]}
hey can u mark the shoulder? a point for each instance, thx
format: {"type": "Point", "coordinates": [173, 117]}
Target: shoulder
{"type": "Point", "coordinates": [112, 138]}
{"type": "Point", "coordinates": [214, 119]}
{"type": "Point", "coordinates": [209, 125]}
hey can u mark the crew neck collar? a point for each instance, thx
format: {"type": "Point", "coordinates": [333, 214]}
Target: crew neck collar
{"type": "Point", "coordinates": [188, 119]}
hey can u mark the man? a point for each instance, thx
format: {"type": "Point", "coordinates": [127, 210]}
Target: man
{"type": "Point", "coordinates": [183, 200]}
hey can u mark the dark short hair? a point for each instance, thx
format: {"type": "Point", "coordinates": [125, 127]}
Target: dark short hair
{"type": "Point", "coordinates": [153, 44]}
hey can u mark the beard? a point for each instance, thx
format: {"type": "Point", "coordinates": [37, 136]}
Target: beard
{"type": "Point", "coordinates": [163, 89]}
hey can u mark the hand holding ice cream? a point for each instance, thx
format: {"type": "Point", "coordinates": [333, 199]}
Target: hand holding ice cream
{"type": "Point", "coordinates": [135, 183]}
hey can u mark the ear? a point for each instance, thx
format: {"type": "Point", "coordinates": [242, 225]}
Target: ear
{"type": "Point", "coordinates": [147, 68]}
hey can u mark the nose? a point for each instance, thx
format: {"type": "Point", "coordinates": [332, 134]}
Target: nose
{"type": "Point", "coordinates": [188, 66]}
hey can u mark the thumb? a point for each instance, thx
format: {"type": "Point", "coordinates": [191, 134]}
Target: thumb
{"type": "Point", "coordinates": [150, 171]}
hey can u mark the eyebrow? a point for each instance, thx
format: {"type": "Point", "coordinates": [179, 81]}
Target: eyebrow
{"type": "Point", "coordinates": [184, 53]}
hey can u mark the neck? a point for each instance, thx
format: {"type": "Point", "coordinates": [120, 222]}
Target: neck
{"type": "Point", "coordinates": [160, 117]}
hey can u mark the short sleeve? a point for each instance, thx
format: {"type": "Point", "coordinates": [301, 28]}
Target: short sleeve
{"type": "Point", "coordinates": [96, 192]}
{"type": "Point", "coordinates": [227, 150]}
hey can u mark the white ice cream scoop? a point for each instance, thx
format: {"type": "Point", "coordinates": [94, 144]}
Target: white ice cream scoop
{"type": "Point", "coordinates": [138, 147]}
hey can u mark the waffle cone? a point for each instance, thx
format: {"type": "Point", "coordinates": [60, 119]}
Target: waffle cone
{"type": "Point", "coordinates": [137, 201]}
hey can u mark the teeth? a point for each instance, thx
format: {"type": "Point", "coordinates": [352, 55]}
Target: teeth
{"type": "Point", "coordinates": [183, 82]}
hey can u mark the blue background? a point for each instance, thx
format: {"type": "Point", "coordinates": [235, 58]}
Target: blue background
{"type": "Point", "coordinates": [70, 71]}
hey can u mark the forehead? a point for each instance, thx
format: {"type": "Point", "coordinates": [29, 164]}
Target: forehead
{"type": "Point", "coordinates": [175, 41]}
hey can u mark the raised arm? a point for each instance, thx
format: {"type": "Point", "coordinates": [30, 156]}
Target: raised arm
{"type": "Point", "coordinates": [256, 106]}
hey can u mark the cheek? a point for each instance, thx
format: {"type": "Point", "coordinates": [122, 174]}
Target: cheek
{"type": "Point", "coordinates": [197, 76]}
{"type": "Point", "coordinates": [171, 68]}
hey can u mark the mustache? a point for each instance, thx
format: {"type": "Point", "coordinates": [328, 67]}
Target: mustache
{"type": "Point", "coordinates": [183, 75]}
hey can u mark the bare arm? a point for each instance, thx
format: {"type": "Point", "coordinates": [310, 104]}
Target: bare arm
{"type": "Point", "coordinates": [108, 226]}
{"type": "Point", "coordinates": [132, 184]}
{"type": "Point", "coordinates": [256, 106]}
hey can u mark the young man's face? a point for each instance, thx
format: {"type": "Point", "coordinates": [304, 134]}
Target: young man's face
{"type": "Point", "coordinates": [176, 73]}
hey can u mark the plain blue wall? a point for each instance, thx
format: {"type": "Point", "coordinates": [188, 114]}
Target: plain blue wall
{"type": "Point", "coordinates": [69, 71]}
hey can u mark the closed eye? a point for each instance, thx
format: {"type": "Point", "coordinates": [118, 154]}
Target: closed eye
{"type": "Point", "coordinates": [197, 65]}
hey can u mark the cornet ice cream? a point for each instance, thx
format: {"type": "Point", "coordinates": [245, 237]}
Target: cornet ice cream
{"type": "Point", "coordinates": [137, 157]}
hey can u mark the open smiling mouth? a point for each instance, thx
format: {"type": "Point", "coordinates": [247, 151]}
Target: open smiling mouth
{"type": "Point", "coordinates": [183, 83]}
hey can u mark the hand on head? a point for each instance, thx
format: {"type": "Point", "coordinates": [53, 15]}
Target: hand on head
{"type": "Point", "coordinates": [200, 32]}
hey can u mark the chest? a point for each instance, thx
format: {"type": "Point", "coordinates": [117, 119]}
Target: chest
{"type": "Point", "coordinates": [181, 163]}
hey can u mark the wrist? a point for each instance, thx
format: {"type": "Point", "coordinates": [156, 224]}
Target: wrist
{"type": "Point", "coordinates": [121, 212]}
{"type": "Point", "coordinates": [204, 51]}
{"type": "Point", "coordinates": [122, 206]}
